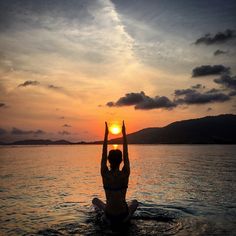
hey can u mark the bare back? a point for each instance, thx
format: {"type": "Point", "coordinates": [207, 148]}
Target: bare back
{"type": "Point", "coordinates": [115, 184]}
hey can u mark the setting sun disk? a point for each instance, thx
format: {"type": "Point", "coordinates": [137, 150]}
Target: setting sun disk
{"type": "Point", "coordinates": [115, 129]}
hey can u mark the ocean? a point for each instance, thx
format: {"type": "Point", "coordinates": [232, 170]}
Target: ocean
{"type": "Point", "coordinates": [181, 189]}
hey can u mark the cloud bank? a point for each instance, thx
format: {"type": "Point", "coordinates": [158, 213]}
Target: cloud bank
{"type": "Point", "coordinates": [194, 95]}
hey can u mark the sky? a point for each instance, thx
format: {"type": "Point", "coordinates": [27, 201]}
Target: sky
{"type": "Point", "coordinates": [66, 66]}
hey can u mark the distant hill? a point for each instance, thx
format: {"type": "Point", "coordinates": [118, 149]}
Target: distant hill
{"type": "Point", "coordinates": [219, 129]}
{"type": "Point", "coordinates": [207, 130]}
{"type": "Point", "coordinates": [40, 142]}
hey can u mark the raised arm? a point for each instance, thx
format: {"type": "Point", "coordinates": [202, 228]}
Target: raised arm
{"type": "Point", "coordinates": [104, 168]}
{"type": "Point", "coordinates": [126, 167]}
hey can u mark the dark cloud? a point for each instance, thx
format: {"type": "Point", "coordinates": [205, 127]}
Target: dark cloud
{"type": "Point", "coordinates": [36, 83]}
{"type": "Point", "coordinates": [182, 96]}
{"type": "Point", "coordinates": [214, 90]}
{"type": "Point", "coordinates": [29, 83]}
{"type": "Point", "coordinates": [198, 86]}
{"type": "Point", "coordinates": [131, 99]}
{"type": "Point", "coordinates": [196, 97]}
{"type": "Point", "coordinates": [2, 105]}
{"type": "Point", "coordinates": [220, 37]}
{"type": "Point", "coordinates": [227, 81]}
{"type": "Point", "coordinates": [219, 52]}
{"type": "Point", "coordinates": [51, 86]}
{"type": "Point", "coordinates": [180, 92]}
{"type": "Point", "coordinates": [142, 101]}
{"type": "Point", "coordinates": [16, 131]}
{"type": "Point", "coordinates": [62, 117]}
{"type": "Point", "coordinates": [205, 70]}
{"type": "Point", "coordinates": [155, 103]}
{"type": "Point", "coordinates": [58, 89]}
{"type": "Point", "coordinates": [110, 104]}
{"type": "Point", "coordinates": [2, 131]}
{"type": "Point", "coordinates": [232, 93]}
{"type": "Point", "coordinates": [66, 126]}
{"type": "Point", "coordinates": [64, 132]}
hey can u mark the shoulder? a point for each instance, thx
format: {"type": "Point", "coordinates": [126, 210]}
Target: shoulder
{"type": "Point", "coordinates": [125, 171]}
{"type": "Point", "coordinates": [105, 171]}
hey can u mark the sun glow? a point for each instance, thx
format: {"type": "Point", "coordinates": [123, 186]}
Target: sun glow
{"type": "Point", "coordinates": [115, 129]}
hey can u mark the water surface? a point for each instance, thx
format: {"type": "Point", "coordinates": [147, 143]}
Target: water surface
{"type": "Point", "coordinates": [182, 190]}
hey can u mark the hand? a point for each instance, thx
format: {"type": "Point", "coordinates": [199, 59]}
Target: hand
{"type": "Point", "coordinates": [106, 129]}
{"type": "Point", "coordinates": [123, 128]}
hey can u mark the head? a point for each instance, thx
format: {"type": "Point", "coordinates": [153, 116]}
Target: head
{"type": "Point", "coordinates": [115, 158]}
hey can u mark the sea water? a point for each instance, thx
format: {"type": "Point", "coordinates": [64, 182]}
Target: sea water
{"type": "Point", "coordinates": [181, 189]}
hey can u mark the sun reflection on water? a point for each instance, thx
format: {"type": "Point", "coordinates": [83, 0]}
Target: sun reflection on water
{"type": "Point", "coordinates": [115, 146]}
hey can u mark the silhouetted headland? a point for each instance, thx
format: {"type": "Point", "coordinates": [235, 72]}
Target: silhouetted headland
{"type": "Point", "coordinates": [207, 130]}
{"type": "Point", "coordinates": [219, 129]}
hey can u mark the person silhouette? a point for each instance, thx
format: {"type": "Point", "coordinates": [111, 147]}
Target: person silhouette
{"type": "Point", "coordinates": [115, 183]}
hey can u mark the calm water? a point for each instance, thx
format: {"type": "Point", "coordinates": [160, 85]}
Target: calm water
{"type": "Point", "coordinates": [182, 190]}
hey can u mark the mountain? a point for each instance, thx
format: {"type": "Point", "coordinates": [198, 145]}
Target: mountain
{"type": "Point", "coordinates": [219, 129]}
{"type": "Point", "coordinates": [207, 130]}
{"type": "Point", "coordinates": [40, 142]}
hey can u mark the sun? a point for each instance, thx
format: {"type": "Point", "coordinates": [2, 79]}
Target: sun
{"type": "Point", "coordinates": [115, 129]}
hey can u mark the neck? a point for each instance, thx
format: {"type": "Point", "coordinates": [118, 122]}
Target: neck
{"type": "Point", "coordinates": [115, 169]}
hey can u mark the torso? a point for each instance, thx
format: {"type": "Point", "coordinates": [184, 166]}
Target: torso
{"type": "Point", "coordinates": [115, 185]}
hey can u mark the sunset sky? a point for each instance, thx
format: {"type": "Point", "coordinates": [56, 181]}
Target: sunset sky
{"type": "Point", "coordinates": [66, 66]}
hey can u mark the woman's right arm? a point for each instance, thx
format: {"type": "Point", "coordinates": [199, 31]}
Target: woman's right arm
{"type": "Point", "coordinates": [104, 168]}
{"type": "Point", "coordinates": [126, 167]}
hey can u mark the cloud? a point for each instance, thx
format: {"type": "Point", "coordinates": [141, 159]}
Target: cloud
{"type": "Point", "coordinates": [188, 96]}
{"type": "Point", "coordinates": [111, 104]}
{"type": "Point", "coordinates": [2, 105]}
{"type": "Point", "coordinates": [205, 70]}
{"type": "Point", "coordinates": [198, 86]}
{"type": "Point", "coordinates": [232, 93]}
{"type": "Point", "coordinates": [209, 109]}
{"type": "Point", "coordinates": [195, 97]}
{"type": "Point", "coordinates": [66, 126]}
{"type": "Point", "coordinates": [130, 99]}
{"type": "Point", "coordinates": [45, 86]}
{"type": "Point", "coordinates": [227, 81]}
{"type": "Point", "coordinates": [155, 103]}
{"type": "Point", "coordinates": [2, 131]}
{"type": "Point", "coordinates": [220, 37]}
{"type": "Point", "coordinates": [51, 86]}
{"type": "Point", "coordinates": [64, 132]}
{"type": "Point", "coordinates": [219, 52]}
{"type": "Point", "coordinates": [180, 92]}
{"type": "Point", "coordinates": [29, 83]}
{"type": "Point", "coordinates": [16, 131]}
{"type": "Point", "coordinates": [58, 89]}
{"type": "Point", "coordinates": [142, 101]}
{"type": "Point", "coordinates": [214, 90]}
